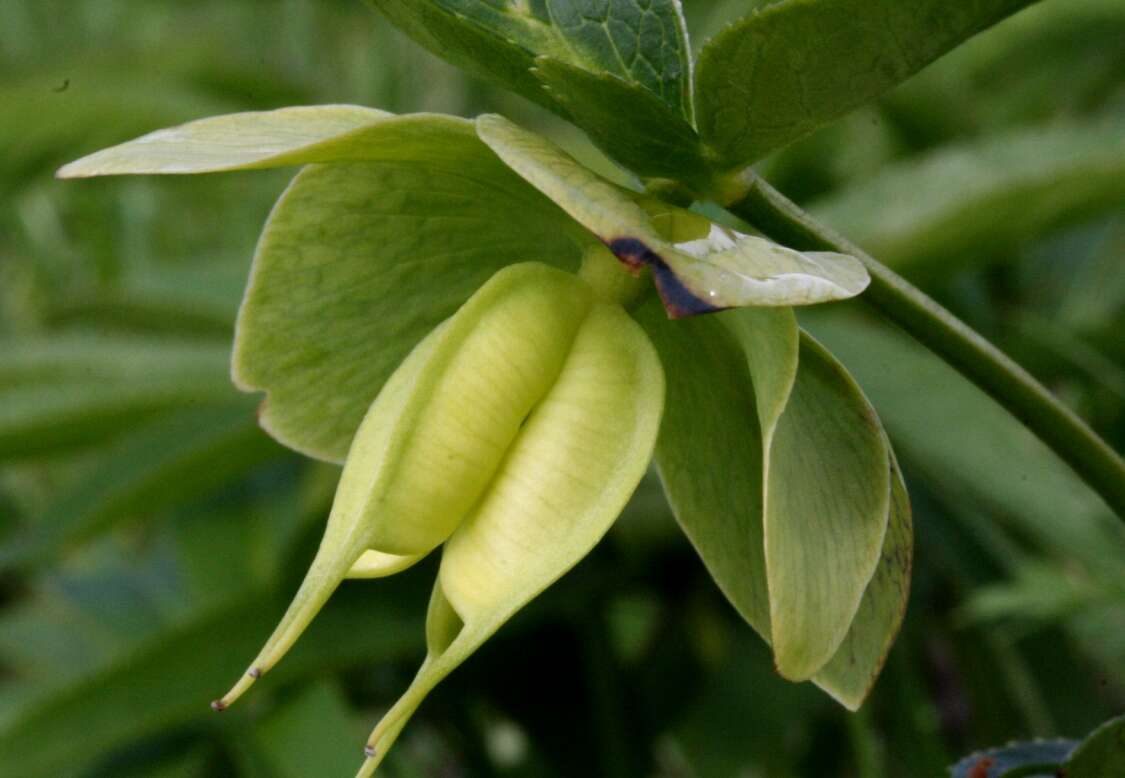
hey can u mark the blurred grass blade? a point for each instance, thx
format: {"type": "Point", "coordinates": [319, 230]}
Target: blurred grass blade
{"type": "Point", "coordinates": [62, 393]}
{"type": "Point", "coordinates": [978, 201]}
{"type": "Point", "coordinates": [167, 681]}
{"type": "Point", "coordinates": [179, 458]}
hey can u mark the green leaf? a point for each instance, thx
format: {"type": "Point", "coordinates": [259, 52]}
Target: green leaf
{"type": "Point", "coordinates": [641, 43]}
{"type": "Point", "coordinates": [343, 287]}
{"type": "Point", "coordinates": [794, 65]}
{"type": "Point", "coordinates": [698, 266]}
{"type": "Point", "coordinates": [629, 122]}
{"type": "Point", "coordinates": [1014, 759]}
{"type": "Point", "coordinates": [619, 69]}
{"type": "Point", "coordinates": [287, 136]}
{"type": "Point", "coordinates": [180, 457]}
{"type": "Point", "coordinates": [1101, 754]}
{"type": "Point", "coordinates": [980, 200]}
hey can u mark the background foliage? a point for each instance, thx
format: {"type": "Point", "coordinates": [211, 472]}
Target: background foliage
{"type": "Point", "coordinates": [150, 534]}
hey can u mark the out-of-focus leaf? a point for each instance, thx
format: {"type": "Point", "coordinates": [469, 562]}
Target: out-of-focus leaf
{"type": "Point", "coordinates": [314, 734]}
{"type": "Point", "coordinates": [63, 359]}
{"type": "Point", "coordinates": [181, 457]}
{"type": "Point", "coordinates": [61, 393]}
{"type": "Point", "coordinates": [342, 286]}
{"type": "Point", "coordinates": [47, 117]}
{"type": "Point", "coordinates": [167, 681]}
{"type": "Point", "coordinates": [1010, 77]}
{"type": "Point", "coordinates": [980, 200]}
{"type": "Point", "coordinates": [1101, 754]}
{"type": "Point", "coordinates": [1001, 762]}
{"type": "Point", "coordinates": [1036, 592]}
{"type": "Point", "coordinates": [791, 66]}
{"type": "Point", "coordinates": [698, 266]}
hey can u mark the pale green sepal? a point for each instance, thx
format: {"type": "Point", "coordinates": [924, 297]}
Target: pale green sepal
{"type": "Point", "coordinates": [709, 455]}
{"type": "Point", "coordinates": [430, 444]}
{"type": "Point", "coordinates": [728, 269]}
{"type": "Point", "coordinates": [342, 287]}
{"type": "Point", "coordinates": [286, 136]}
{"type": "Point", "coordinates": [603, 208]}
{"type": "Point", "coordinates": [851, 672]}
{"type": "Point", "coordinates": [825, 512]}
{"type": "Point", "coordinates": [378, 564]}
{"type": "Point", "coordinates": [770, 340]}
{"type": "Point", "coordinates": [567, 476]}
{"type": "Point", "coordinates": [716, 268]}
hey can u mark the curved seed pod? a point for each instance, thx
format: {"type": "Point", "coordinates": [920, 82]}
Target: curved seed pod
{"type": "Point", "coordinates": [565, 479]}
{"type": "Point", "coordinates": [436, 434]}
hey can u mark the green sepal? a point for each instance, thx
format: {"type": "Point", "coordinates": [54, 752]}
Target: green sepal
{"type": "Point", "coordinates": [698, 266]}
{"type": "Point", "coordinates": [284, 137]}
{"type": "Point", "coordinates": [717, 435]}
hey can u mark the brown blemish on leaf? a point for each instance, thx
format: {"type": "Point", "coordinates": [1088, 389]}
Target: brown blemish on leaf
{"type": "Point", "coordinates": [369, 751]}
{"type": "Point", "coordinates": [218, 706]}
{"type": "Point", "coordinates": [254, 673]}
{"type": "Point", "coordinates": [679, 301]}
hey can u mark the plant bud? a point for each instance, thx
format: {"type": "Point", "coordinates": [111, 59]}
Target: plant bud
{"type": "Point", "coordinates": [435, 436]}
{"type": "Point", "coordinates": [565, 478]}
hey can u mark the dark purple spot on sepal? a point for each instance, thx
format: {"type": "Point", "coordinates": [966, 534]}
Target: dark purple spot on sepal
{"type": "Point", "coordinates": [679, 301]}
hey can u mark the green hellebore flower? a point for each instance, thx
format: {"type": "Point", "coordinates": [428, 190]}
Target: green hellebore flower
{"type": "Point", "coordinates": [514, 434]}
{"type": "Point", "coordinates": [515, 431]}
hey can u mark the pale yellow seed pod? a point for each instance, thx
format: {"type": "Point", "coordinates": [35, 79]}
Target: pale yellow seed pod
{"type": "Point", "coordinates": [434, 438]}
{"type": "Point", "coordinates": [565, 478]}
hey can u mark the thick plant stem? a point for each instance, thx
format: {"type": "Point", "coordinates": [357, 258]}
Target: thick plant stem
{"type": "Point", "coordinates": [1092, 459]}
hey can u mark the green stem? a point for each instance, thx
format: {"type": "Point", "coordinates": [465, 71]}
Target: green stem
{"type": "Point", "coordinates": [947, 336]}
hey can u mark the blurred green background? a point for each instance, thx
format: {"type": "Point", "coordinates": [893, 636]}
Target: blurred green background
{"type": "Point", "coordinates": [150, 534]}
